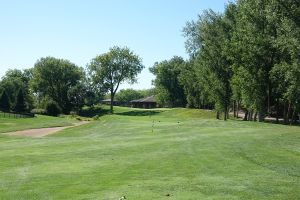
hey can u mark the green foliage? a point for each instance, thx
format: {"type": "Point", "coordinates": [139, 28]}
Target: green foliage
{"type": "Point", "coordinates": [109, 70]}
{"type": "Point", "coordinates": [247, 56]}
{"type": "Point", "coordinates": [39, 111]}
{"type": "Point", "coordinates": [54, 78]}
{"type": "Point", "coordinates": [20, 105]}
{"type": "Point", "coordinates": [211, 34]}
{"type": "Point", "coordinates": [124, 96]}
{"type": "Point", "coordinates": [53, 109]}
{"type": "Point", "coordinates": [77, 96]}
{"type": "Point", "coordinates": [127, 95]}
{"type": "Point", "coordinates": [170, 91]}
{"type": "Point", "coordinates": [15, 80]}
{"type": "Point", "coordinates": [4, 102]}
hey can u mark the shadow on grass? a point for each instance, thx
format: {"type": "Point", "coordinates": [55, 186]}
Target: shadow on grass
{"type": "Point", "coordinates": [139, 113]}
{"type": "Point", "coordinates": [267, 121]}
{"type": "Point", "coordinates": [93, 111]}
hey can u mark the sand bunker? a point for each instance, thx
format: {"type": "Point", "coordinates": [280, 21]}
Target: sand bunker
{"type": "Point", "coordinates": [41, 132]}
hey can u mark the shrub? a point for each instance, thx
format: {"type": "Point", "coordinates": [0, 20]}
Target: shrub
{"type": "Point", "coordinates": [39, 111]}
{"type": "Point", "coordinates": [73, 114]}
{"type": "Point", "coordinates": [53, 109]}
{"type": "Point", "coordinates": [96, 117]}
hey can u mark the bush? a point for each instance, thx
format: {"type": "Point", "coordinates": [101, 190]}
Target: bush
{"type": "Point", "coordinates": [73, 114]}
{"type": "Point", "coordinates": [96, 117]}
{"type": "Point", "coordinates": [39, 111]}
{"type": "Point", "coordinates": [53, 109]}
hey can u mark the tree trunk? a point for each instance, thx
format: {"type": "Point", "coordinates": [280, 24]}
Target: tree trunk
{"type": "Point", "coordinates": [234, 109]}
{"type": "Point", "coordinates": [238, 109]}
{"type": "Point", "coordinates": [285, 117]}
{"type": "Point", "coordinates": [293, 120]}
{"type": "Point", "coordinates": [218, 115]}
{"type": "Point", "coordinates": [261, 116]}
{"type": "Point", "coordinates": [269, 98]}
{"type": "Point", "coordinates": [250, 114]}
{"type": "Point", "coordinates": [288, 113]}
{"type": "Point", "coordinates": [255, 117]}
{"type": "Point", "coordinates": [277, 110]}
{"type": "Point", "coordinates": [246, 116]}
{"type": "Point", "coordinates": [261, 113]}
{"type": "Point", "coordinates": [112, 96]}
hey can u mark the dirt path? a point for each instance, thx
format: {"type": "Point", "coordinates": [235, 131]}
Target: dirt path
{"type": "Point", "coordinates": [41, 132]}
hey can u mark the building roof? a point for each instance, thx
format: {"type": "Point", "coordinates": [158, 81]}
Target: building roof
{"type": "Point", "coordinates": [150, 99]}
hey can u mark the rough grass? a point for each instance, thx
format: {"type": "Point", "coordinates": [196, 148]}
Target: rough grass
{"type": "Point", "coordinates": [155, 154]}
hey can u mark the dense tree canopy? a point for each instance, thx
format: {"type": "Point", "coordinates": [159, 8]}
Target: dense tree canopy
{"type": "Point", "coordinates": [54, 78]}
{"type": "Point", "coordinates": [20, 105]}
{"type": "Point", "coordinates": [248, 57]}
{"type": "Point", "coordinates": [124, 96]}
{"type": "Point", "coordinates": [170, 91]}
{"type": "Point", "coordinates": [244, 59]}
{"type": "Point", "coordinates": [15, 81]}
{"type": "Point", "coordinates": [4, 102]}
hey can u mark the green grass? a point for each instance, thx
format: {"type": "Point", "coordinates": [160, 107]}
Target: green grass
{"type": "Point", "coordinates": [150, 154]}
{"type": "Point", "coordinates": [40, 121]}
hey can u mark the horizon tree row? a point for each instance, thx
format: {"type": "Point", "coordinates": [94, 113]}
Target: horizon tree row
{"type": "Point", "coordinates": [59, 86]}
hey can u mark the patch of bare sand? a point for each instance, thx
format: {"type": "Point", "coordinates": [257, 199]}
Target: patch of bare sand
{"type": "Point", "coordinates": [41, 132]}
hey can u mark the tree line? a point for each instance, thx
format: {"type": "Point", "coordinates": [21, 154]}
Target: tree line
{"type": "Point", "coordinates": [55, 86]}
{"type": "Point", "coordinates": [246, 58]}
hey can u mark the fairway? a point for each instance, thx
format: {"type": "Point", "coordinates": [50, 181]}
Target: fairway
{"type": "Point", "coordinates": [152, 154]}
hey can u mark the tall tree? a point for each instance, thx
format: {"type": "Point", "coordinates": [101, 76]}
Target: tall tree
{"type": "Point", "coordinates": [15, 80]}
{"type": "Point", "coordinates": [53, 78]}
{"type": "Point", "coordinates": [208, 39]}
{"type": "Point", "coordinates": [191, 85]}
{"type": "Point", "coordinates": [110, 69]}
{"type": "Point", "coordinates": [4, 102]}
{"type": "Point", "coordinates": [20, 105]}
{"type": "Point", "coordinates": [170, 91]}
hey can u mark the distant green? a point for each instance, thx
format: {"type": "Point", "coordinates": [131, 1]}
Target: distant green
{"type": "Point", "coordinates": [153, 154]}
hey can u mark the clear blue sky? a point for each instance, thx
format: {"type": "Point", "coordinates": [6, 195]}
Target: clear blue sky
{"type": "Point", "coordinates": [78, 30]}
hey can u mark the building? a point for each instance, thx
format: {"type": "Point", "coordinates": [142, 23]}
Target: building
{"type": "Point", "coordinates": [107, 102]}
{"type": "Point", "coordinates": [147, 103]}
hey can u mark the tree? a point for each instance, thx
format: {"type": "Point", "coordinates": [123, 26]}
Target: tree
{"type": "Point", "coordinates": [53, 78]}
{"type": "Point", "coordinates": [15, 80]}
{"type": "Point", "coordinates": [4, 102]}
{"type": "Point", "coordinates": [170, 91]}
{"type": "Point", "coordinates": [194, 86]}
{"type": "Point", "coordinates": [247, 57]}
{"type": "Point", "coordinates": [126, 95]}
{"type": "Point", "coordinates": [110, 69]}
{"type": "Point", "coordinates": [20, 105]}
{"type": "Point", "coordinates": [208, 39]}
{"type": "Point", "coordinates": [52, 109]}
